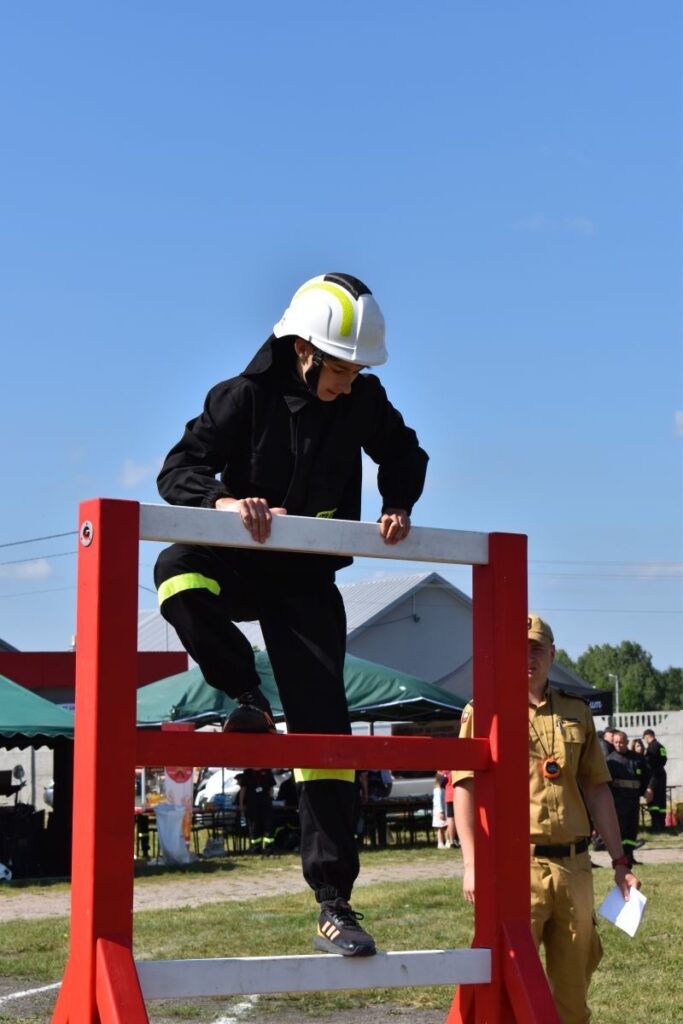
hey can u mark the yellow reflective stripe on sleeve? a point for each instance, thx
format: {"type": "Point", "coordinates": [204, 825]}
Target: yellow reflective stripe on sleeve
{"type": "Point", "coordinates": [346, 304]}
{"type": "Point", "coordinates": [320, 774]}
{"type": "Point", "coordinates": [187, 581]}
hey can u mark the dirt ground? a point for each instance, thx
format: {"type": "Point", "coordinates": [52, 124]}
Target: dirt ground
{"type": "Point", "coordinates": [196, 890]}
{"type": "Point", "coordinates": [22, 1001]}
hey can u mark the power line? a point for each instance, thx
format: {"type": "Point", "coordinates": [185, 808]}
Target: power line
{"type": "Point", "coordinates": [38, 558]}
{"type": "Point", "coordinates": [559, 561]}
{"type": "Point", "coordinates": [34, 540]}
{"type": "Point", "coordinates": [58, 590]}
{"type": "Point", "coordinates": [532, 561]}
{"type": "Point", "coordinates": [619, 611]}
{"type": "Point", "coordinates": [35, 593]}
{"type": "Point", "coordinates": [642, 576]}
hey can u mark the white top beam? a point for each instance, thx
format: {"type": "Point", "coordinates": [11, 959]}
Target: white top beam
{"type": "Point", "coordinates": [166, 979]}
{"type": "Point", "coordinates": [180, 524]}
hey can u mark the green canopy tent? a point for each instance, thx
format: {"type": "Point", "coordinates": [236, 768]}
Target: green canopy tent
{"type": "Point", "coordinates": [374, 694]}
{"type": "Point", "coordinates": [27, 720]}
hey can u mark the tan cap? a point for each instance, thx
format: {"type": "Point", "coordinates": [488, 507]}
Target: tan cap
{"type": "Point", "coordinates": [539, 630]}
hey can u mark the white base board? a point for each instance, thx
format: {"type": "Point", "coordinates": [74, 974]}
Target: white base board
{"type": "Point", "coordinates": [165, 979]}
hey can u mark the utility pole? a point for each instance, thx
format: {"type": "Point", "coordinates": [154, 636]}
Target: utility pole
{"type": "Point", "coordinates": [611, 675]}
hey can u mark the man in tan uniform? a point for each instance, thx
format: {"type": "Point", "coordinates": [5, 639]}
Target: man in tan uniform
{"type": "Point", "coordinates": [568, 779]}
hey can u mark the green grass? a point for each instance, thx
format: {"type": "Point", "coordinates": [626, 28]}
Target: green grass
{"type": "Point", "coordinates": [634, 977]}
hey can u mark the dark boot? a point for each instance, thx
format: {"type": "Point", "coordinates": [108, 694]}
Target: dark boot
{"type": "Point", "coordinates": [252, 714]}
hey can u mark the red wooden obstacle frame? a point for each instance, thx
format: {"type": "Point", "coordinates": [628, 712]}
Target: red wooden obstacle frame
{"type": "Point", "coordinates": [101, 982]}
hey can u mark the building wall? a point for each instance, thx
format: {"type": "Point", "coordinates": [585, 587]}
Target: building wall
{"type": "Point", "coordinates": [37, 763]}
{"type": "Point", "coordinates": [427, 635]}
{"type": "Point", "coordinates": [667, 727]}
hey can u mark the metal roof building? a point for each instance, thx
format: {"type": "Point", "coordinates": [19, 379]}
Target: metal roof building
{"type": "Point", "coordinates": [419, 624]}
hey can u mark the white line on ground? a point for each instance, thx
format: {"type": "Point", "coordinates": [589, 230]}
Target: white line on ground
{"type": "Point", "coordinates": [30, 992]}
{"type": "Point", "coordinates": [239, 1009]}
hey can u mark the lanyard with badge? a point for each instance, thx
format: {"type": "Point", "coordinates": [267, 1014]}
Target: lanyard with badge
{"type": "Point", "coordinates": [551, 767]}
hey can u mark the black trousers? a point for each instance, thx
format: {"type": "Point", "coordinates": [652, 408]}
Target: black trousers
{"type": "Point", "coordinates": [627, 806]}
{"type": "Point", "coordinates": [259, 808]}
{"type": "Point", "coordinates": [658, 806]}
{"type": "Point", "coordinates": [203, 592]}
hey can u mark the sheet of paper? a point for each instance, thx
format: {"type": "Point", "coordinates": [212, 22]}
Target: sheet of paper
{"type": "Point", "coordinates": [625, 914]}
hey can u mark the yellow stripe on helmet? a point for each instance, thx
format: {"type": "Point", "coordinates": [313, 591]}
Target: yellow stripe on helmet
{"type": "Point", "coordinates": [346, 304]}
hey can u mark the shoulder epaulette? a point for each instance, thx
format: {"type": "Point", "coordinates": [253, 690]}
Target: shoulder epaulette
{"type": "Point", "coordinates": [575, 696]}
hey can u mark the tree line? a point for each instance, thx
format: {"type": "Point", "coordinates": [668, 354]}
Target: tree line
{"type": "Point", "coordinates": [642, 687]}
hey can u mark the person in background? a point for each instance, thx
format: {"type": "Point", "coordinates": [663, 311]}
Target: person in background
{"type": "Point", "coordinates": [451, 832]}
{"type": "Point", "coordinates": [439, 810]}
{"type": "Point", "coordinates": [256, 805]}
{"type": "Point", "coordinates": [568, 779]}
{"type": "Point", "coordinates": [655, 786]}
{"type": "Point", "coordinates": [605, 736]}
{"type": "Point", "coordinates": [626, 784]}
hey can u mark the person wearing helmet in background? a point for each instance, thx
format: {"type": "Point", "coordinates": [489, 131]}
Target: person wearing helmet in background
{"type": "Point", "coordinates": [286, 437]}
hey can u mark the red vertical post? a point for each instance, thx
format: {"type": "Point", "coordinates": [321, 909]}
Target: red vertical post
{"type": "Point", "coordinates": [104, 755]}
{"type": "Point", "coordinates": [502, 793]}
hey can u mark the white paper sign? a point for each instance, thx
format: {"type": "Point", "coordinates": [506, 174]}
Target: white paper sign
{"type": "Point", "coordinates": [625, 914]}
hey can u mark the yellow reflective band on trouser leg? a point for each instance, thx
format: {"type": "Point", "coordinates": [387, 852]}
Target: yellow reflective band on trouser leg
{"type": "Point", "coordinates": [323, 774]}
{"type": "Point", "coordinates": [187, 581]}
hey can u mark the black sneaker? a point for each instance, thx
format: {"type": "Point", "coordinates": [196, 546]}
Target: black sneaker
{"type": "Point", "coordinates": [252, 714]}
{"type": "Point", "coordinates": [339, 931]}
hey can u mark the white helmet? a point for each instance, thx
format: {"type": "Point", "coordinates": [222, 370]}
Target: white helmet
{"type": "Point", "coordinates": [339, 315]}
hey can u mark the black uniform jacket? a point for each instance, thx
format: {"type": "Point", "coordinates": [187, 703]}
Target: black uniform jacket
{"type": "Point", "coordinates": [269, 437]}
{"type": "Point", "coordinates": [626, 767]}
{"type": "Point", "coordinates": [655, 755]}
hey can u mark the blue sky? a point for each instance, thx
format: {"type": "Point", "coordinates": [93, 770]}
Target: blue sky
{"type": "Point", "coordinates": [505, 177]}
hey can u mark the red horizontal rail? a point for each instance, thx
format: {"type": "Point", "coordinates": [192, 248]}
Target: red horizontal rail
{"type": "Point", "coordinates": [402, 753]}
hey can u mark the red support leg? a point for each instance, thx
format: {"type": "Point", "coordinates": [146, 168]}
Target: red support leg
{"type": "Point", "coordinates": [502, 793]}
{"type": "Point", "coordinates": [525, 979]}
{"type": "Point", "coordinates": [119, 998]}
{"type": "Point", "coordinates": [60, 1014]}
{"type": "Point", "coordinates": [104, 756]}
{"type": "Point", "coordinates": [462, 1007]}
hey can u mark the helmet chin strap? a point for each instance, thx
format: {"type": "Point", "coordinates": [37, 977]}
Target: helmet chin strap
{"type": "Point", "coordinates": [312, 374]}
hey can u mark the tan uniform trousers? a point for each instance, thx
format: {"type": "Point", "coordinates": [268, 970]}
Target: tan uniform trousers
{"type": "Point", "coordinates": [562, 918]}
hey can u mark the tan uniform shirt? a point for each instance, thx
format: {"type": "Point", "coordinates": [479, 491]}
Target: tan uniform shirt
{"type": "Point", "coordinates": [562, 728]}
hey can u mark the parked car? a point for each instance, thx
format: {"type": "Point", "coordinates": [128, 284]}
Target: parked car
{"type": "Point", "coordinates": [219, 786]}
{"type": "Point", "coordinates": [411, 784]}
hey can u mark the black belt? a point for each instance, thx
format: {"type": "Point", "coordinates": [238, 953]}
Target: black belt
{"type": "Point", "coordinates": [560, 851]}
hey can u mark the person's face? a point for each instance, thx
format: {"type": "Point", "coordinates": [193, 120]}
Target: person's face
{"type": "Point", "coordinates": [620, 743]}
{"type": "Point", "coordinates": [336, 375]}
{"type": "Point", "coordinates": [609, 736]}
{"type": "Point", "coordinates": [646, 739]}
{"type": "Point", "coordinates": [541, 657]}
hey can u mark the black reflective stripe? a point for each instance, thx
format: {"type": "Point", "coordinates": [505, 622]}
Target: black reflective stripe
{"type": "Point", "coordinates": [353, 285]}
